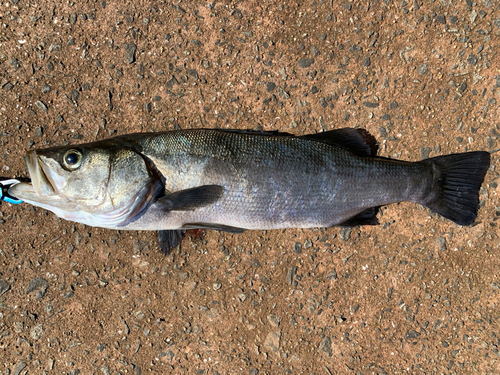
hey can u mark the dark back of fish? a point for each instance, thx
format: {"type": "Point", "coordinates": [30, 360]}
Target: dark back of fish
{"type": "Point", "coordinates": [282, 181]}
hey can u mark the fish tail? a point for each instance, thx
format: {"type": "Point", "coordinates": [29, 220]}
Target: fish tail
{"type": "Point", "coordinates": [456, 182]}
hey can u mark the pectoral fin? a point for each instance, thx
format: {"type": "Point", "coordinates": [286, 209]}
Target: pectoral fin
{"type": "Point", "coordinates": [225, 228]}
{"type": "Point", "coordinates": [169, 239]}
{"type": "Point", "coordinates": [190, 199]}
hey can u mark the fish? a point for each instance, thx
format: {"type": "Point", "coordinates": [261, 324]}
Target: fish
{"type": "Point", "coordinates": [237, 180]}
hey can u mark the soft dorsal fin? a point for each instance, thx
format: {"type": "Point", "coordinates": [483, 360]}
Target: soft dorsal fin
{"type": "Point", "coordinates": [257, 132]}
{"type": "Point", "coordinates": [357, 141]}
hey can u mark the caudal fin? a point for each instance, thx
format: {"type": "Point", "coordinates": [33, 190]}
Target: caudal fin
{"type": "Point", "coordinates": [457, 179]}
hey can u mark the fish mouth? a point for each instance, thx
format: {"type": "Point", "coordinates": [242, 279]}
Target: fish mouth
{"type": "Point", "coordinates": [44, 181]}
{"type": "Point", "coordinates": [44, 188]}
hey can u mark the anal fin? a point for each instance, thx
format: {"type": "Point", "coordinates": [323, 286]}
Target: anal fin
{"type": "Point", "coordinates": [366, 217]}
{"type": "Point", "coordinates": [225, 228]}
{"type": "Point", "coordinates": [170, 239]}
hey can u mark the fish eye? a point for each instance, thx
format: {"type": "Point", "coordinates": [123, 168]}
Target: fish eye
{"type": "Point", "coordinates": [72, 159]}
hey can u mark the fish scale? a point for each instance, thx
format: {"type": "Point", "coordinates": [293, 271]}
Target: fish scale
{"type": "Point", "coordinates": [236, 180]}
{"type": "Point", "coordinates": [277, 181]}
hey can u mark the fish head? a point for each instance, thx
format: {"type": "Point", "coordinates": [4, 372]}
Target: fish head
{"type": "Point", "coordinates": [99, 184]}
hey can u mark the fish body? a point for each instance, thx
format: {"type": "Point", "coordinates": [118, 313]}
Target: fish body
{"type": "Point", "coordinates": [238, 180]}
{"type": "Point", "coordinates": [273, 181]}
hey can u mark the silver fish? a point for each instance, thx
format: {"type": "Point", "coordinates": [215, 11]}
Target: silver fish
{"type": "Point", "coordinates": [236, 180]}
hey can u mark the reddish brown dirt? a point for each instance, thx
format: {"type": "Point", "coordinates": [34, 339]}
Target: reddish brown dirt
{"type": "Point", "coordinates": [417, 294]}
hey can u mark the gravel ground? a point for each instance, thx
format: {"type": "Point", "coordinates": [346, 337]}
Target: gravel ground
{"type": "Point", "coordinates": [417, 294]}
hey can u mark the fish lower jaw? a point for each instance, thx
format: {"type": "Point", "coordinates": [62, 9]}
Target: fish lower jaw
{"type": "Point", "coordinates": [64, 208]}
{"type": "Point", "coordinates": [24, 191]}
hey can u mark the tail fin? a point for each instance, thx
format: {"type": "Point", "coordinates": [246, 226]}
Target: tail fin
{"type": "Point", "coordinates": [457, 179]}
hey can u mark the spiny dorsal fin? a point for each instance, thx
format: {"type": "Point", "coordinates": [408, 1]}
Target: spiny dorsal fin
{"type": "Point", "coordinates": [357, 141]}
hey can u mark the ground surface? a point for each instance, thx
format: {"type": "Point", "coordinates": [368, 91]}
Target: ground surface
{"type": "Point", "coordinates": [417, 294]}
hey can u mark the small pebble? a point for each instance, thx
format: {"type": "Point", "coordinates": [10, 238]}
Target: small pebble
{"type": "Point", "coordinates": [326, 346]}
{"type": "Point", "coordinates": [4, 287]}
{"type": "Point", "coordinates": [297, 248]}
{"type": "Point", "coordinates": [305, 63]}
{"type": "Point", "coordinates": [130, 49]}
{"type": "Point", "coordinates": [272, 341]}
{"type": "Point", "coordinates": [274, 320]}
{"type": "Point", "coordinates": [18, 327]}
{"type": "Point", "coordinates": [20, 366]}
{"type": "Point", "coordinates": [345, 234]}
{"type": "Point", "coordinates": [16, 64]}
{"type": "Point", "coordinates": [422, 69]}
{"type": "Point", "coordinates": [441, 243]}
{"type": "Point", "coordinates": [8, 86]}
{"type": "Point", "coordinates": [75, 95]}
{"type": "Point", "coordinates": [370, 104]}
{"type": "Point", "coordinates": [441, 19]}
{"type": "Point", "coordinates": [412, 334]}
{"type": "Point", "coordinates": [41, 106]}
{"type": "Point", "coordinates": [291, 274]}
{"type": "Point", "coordinates": [37, 332]}
{"type": "Point", "coordinates": [40, 284]}
{"type": "Point", "coordinates": [425, 152]}
{"type": "Point", "coordinates": [473, 16]}
{"type": "Point", "coordinates": [332, 275]}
